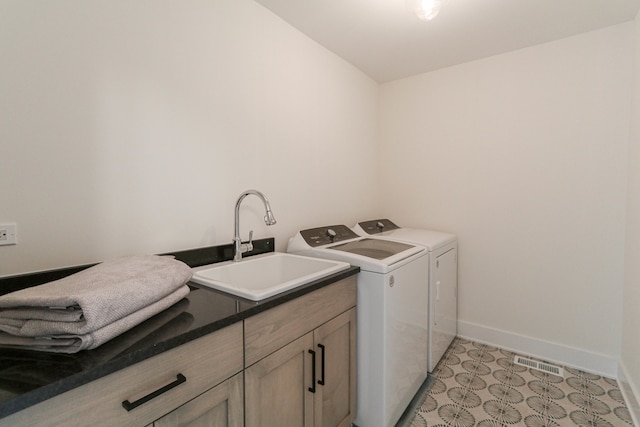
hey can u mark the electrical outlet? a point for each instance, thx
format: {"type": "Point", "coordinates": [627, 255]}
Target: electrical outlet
{"type": "Point", "coordinates": [8, 234]}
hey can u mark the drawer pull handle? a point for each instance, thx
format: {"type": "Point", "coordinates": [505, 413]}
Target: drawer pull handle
{"type": "Point", "coordinates": [132, 405]}
{"type": "Point", "coordinates": [321, 381]}
{"type": "Point", "coordinates": [312, 389]}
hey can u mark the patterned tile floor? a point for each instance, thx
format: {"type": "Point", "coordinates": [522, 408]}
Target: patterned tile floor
{"type": "Point", "coordinates": [479, 385]}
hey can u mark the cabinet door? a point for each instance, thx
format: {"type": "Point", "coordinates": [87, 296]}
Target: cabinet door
{"type": "Point", "coordinates": [221, 406]}
{"type": "Point", "coordinates": [277, 387]}
{"type": "Point", "coordinates": [335, 400]}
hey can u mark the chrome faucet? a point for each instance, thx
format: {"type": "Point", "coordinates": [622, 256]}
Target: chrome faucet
{"type": "Point", "coordinates": [269, 219]}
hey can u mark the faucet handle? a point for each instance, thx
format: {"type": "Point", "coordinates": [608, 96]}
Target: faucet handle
{"type": "Point", "coordinates": [249, 246]}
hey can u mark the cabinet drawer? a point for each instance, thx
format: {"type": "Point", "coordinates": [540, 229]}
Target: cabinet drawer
{"type": "Point", "coordinates": [270, 330]}
{"type": "Point", "coordinates": [204, 363]}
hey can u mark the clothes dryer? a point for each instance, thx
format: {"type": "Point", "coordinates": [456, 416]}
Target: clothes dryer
{"type": "Point", "coordinates": [391, 326]}
{"type": "Point", "coordinates": [442, 274]}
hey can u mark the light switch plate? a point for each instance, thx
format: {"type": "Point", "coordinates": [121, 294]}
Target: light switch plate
{"type": "Point", "coordinates": [8, 234]}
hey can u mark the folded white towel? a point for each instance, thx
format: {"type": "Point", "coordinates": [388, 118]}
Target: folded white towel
{"type": "Point", "coordinates": [92, 299]}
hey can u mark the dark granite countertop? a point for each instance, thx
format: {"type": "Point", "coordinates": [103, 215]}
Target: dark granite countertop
{"type": "Point", "coordinates": [30, 377]}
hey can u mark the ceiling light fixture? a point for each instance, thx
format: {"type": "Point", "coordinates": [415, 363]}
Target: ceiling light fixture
{"type": "Point", "coordinates": [425, 10]}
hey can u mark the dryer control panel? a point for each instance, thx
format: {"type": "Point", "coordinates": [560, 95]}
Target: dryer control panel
{"type": "Point", "coordinates": [376, 226]}
{"type": "Point", "coordinates": [322, 236]}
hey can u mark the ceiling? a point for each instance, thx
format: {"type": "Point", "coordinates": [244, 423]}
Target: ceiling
{"type": "Point", "coordinates": [385, 41]}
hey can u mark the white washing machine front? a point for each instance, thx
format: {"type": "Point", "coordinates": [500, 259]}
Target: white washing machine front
{"type": "Point", "coordinates": [443, 279]}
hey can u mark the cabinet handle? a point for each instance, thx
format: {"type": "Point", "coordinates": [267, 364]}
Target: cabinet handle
{"type": "Point", "coordinates": [132, 405]}
{"type": "Point", "coordinates": [321, 381]}
{"type": "Point", "coordinates": [312, 389]}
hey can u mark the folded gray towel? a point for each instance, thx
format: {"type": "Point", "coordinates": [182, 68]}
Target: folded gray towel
{"type": "Point", "coordinates": [23, 371]}
{"type": "Point", "coordinates": [69, 343]}
{"type": "Point", "coordinates": [93, 299]}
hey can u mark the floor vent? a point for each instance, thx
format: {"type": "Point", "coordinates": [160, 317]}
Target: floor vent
{"type": "Point", "coordinates": [539, 366]}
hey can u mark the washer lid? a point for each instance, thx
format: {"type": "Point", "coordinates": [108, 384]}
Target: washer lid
{"type": "Point", "coordinates": [373, 248]}
{"type": "Point", "coordinates": [340, 243]}
{"type": "Point", "coordinates": [385, 229]}
{"type": "Point", "coordinates": [430, 239]}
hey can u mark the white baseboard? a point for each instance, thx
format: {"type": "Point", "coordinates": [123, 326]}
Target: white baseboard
{"type": "Point", "coordinates": [629, 392]}
{"type": "Point", "coordinates": [572, 357]}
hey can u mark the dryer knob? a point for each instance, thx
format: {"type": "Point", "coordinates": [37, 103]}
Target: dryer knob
{"type": "Point", "coordinates": [380, 226]}
{"type": "Point", "coordinates": [331, 234]}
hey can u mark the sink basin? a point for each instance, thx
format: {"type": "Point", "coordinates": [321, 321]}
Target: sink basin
{"type": "Point", "coordinates": [265, 275]}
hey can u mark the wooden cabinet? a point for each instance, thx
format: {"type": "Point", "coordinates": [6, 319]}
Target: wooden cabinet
{"type": "Point", "coordinates": [299, 370]}
{"type": "Point", "coordinates": [203, 363]}
{"type": "Point", "coordinates": [311, 380]}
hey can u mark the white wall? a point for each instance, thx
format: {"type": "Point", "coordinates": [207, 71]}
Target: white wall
{"type": "Point", "coordinates": [523, 155]}
{"type": "Point", "coordinates": [132, 127]}
{"type": "Point", "coordinates": [629, 370]}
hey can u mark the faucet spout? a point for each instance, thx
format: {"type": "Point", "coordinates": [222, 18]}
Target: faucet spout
{"type": "Point", "coordinates": [269, 219]}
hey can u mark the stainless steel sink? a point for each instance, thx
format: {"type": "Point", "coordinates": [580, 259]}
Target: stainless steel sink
{"type": "Point", "coordinates": [265, 275]}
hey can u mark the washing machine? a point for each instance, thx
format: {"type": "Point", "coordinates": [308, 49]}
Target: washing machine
{"type": "Point", "coordinates": [392, 296]}
{"type": "Point", "coordinates": [443, 279]}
